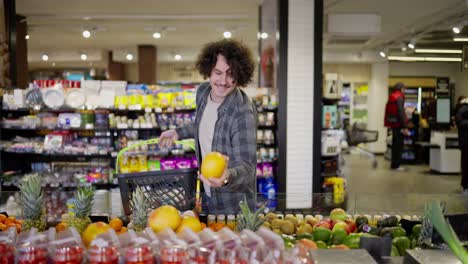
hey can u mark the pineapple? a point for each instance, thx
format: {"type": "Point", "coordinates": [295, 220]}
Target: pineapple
{"type": "Point", "coordinates": [32, 203]}
{"type": "Point", "coordinates": [79, 215]}
{"type": "Point", "coordinates": [140, 208]}
{"type": "Point", "coordinates": [247, 219]}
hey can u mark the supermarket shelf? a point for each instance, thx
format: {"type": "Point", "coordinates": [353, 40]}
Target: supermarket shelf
{"type": "Point", "coordinates": [58, 155]}
{"type": "Point", "coordinates": [77, 129]}
{"type": "Point", "coordinates": [262, 145]}
{"type": "Point", "coordinates": [334, 174]}
{"type": "Point", "coordinates": [266, 126]}
{"type": "Point", "coordinates": [114, 110]}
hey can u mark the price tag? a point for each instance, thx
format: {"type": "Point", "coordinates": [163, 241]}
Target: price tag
{"type": "Point", "coordinates": [158, 110]}
{"type": "Point", "coordinates": [122, 126]}
{"type": "Point", "coordinates": [122, 107]}
{"type": "Point", "coordinates": [170, 109]}
{"type": "Point", "coordinates": [148, 109]}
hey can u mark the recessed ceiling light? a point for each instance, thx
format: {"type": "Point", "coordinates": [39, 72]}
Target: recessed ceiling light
{"type": "Point", "coordinates": [27, 36]}
{"type": "Point", "coordinates": [382, 54]}
{"type": "Point", "coordinates": [83, 56]}
{"type": "Point", "coordinates": [264, 35]}
{"type": "Point", "coordinates": [227, 34]}
{"type": "Point", "coordinates": [411, 45]}
{"type": "Point", "coordinates": [456, 29]}
{"type": "Point", "coordinates": [177, 57]}
{"type": "Point", "coordinates": [45, 57]}
{"type": "Point", "coordinates": [156, 35]}
{"type": "Point", "coordinates": [452, 51]}
{"type": "Point", "coordinates": [86, 33]}
{"type": "Point", "coordinates": [442, 59]}
{"type": "Point", "coordinates": [129, 56]}
{"type": "Point", "coordinates": [413, 58]}
{"type": "Point", "coordinates": [460, 39]}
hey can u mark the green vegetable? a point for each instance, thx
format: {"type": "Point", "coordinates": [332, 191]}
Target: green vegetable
{"type": "Point", "coordinates": [434, 213]}
{"type": "Point", "coordinates": [322, 234]}
{"type": "Point", "coordinates": [416, 231]}
{"type": "Point", "coordinates": [395, 252]}
{"type": "Point", "coordinates": [305, 236]}
{"type": "Point", "coordinates": [414, 243]}
{"type": "Point", "coordinates": [402, 243]}
{"type": "Point", "coordinates": [360, 220]}
{"type": "Point", "coordinates": [398, 232]}
{"type": "Point", "coordinates": [388, 222]}
{"type": "Point", "coordinates": [352, 240]}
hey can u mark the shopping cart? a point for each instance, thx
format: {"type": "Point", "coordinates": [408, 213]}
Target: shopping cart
{"type": "Point", "coordinates": [172, 187]}
{"type": "Point", "coordinates": [358, 135]}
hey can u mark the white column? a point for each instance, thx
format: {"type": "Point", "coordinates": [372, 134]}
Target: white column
{"type": "Point", "coordinates": [378, 95]}
{"type": "Point", "coordinates": [300, 103]}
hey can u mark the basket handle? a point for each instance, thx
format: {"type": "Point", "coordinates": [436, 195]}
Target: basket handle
{"type": "Point", "coordinates": [146, 142]}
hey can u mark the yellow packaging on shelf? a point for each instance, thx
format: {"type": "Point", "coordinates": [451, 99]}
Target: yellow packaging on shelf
{"type": "Point", "coordinates": [120, 101]}
{"type": "Point", "coordinates": [165, 99]}
{"type": "Point", "coordinates": [148, 101]}
{"type": "Point", "coordinates": [338, 188]}
{"type": "Point", "coordinates": [189, 99]}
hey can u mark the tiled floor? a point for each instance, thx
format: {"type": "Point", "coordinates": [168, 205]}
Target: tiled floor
{"type": "Point", "coordinates": [384, 190]}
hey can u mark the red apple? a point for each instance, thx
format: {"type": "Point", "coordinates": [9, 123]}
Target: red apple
{"type": "Point", "coordinates": [338, 214]}
{"type": "Point", "coordinates": [351, 226]}
{"type": "Point", "coordinates": [323, 223]}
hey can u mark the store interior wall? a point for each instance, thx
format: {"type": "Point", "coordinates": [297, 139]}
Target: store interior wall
{"type": "Point", "coordinates": [349, 72]}
{"type": "Point", "coordinates": [300, 104]}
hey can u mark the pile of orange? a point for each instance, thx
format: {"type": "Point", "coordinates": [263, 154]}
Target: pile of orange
{"type": "Point", "coordinates": [216, 226]}
{"type": "Point", "coordinates": [117, 225]}
{"type": "Point", "coordinates": [10, 221]}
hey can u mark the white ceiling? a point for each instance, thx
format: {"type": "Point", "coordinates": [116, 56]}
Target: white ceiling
{"type": "Point", "coordinates": [55, 26]}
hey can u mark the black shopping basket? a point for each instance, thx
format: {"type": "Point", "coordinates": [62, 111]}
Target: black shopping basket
{"type": "Point", "coordinates": [171, 187]}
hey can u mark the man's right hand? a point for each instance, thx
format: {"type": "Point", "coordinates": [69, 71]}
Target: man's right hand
{"type": "Point", "coordinates": [167, 138]}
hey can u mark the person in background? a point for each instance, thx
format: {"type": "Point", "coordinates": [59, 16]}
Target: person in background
{"type": "Point", "coordinates": [461, 119]}
{"type": "Point", "coordinates": [395, 118]}
{"type": "Point", "coordinates": [225, 122]}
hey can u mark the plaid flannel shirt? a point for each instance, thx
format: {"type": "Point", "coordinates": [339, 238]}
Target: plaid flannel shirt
{"type": "Point", "coordinates": [235, 135]}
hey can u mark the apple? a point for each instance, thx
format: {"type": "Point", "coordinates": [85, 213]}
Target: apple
{"type": "Point", "coordinates": [351, 226]}
{"type": "Point", "coordinates": [311, 220]}
{"type": "Point", "coordinates": [338, 214]}
{"type": "Point", "coordinates": [340, 225]}
{"type": "Point", "coordinates": [334, 222]}
{"type": "Point", "coordinates": [323, 223]}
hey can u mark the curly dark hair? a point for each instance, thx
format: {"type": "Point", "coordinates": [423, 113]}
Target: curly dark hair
{"type": "Point", "coordinates": [238, 57]}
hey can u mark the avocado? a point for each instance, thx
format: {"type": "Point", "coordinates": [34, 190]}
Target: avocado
{"type": "Point", "coordinates": [395, 252]}
{"type": "Point", "coordinates": [386, 231]}
{"type": "Point", "coordinates": [360, 220]}
{"type": "Point", "coordinates": [388, 222]}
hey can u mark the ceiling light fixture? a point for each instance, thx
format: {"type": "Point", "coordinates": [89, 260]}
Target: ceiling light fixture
{"type": "Point", "coordinates": [177, 57]}
{"type": "Point", "coordinates": [403, 47]}
{"type": "Point", "coordinates": [264, 35]}
{"type": "Point", "coordinates": [156, 35]}
{"type": "Point", "coordinates": [129, 56]}
{"type": "Point", "coordinates": [442, 59]}
{"type": "Point", "coordinates": [447, 51]}
{"type": "Point", "coordinates": [409, 58]}
{"type": "Point", "coordinates": [83, 56]}
{"type": "Point", "coordinates": [227, 34]}
{"type": "Point", "coordinates": [411, 45]}
{"type": "Point", "coordinates": [27, 36]}
{"type": "Point", "coordinates": [460, 39]}
{"type": "Point", "coordinates": [86, 33]}
{"type": "Point", "coordinates": [45, 57]}
{"type": "Point", "coordinates": [456, 29]}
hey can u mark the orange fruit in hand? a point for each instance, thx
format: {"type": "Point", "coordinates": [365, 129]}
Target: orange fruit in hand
{"type": "Point", "coordinates": [116, 224]}
{"type": "Point", "coordinates": [213, 165]}
{"type": "Point", "coordinates": [10, 220]}
{"type": "Point", "coordinates": [2, 218]}
{"type": "Point", "coordinates": [2, 226]}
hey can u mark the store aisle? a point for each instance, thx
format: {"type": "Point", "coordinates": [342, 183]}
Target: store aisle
{"type": "Point", "coordinates": [394, 191]}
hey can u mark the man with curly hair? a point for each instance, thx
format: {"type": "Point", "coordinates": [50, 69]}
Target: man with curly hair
{"type": "Point", "coordinates": [226, 122]}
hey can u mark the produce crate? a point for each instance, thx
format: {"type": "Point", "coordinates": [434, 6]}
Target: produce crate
{"type": "Point", "coordinates": [172, 187]}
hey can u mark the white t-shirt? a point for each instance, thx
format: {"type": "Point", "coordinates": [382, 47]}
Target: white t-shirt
{"type": "Point", "coordinates": [206, 130]}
